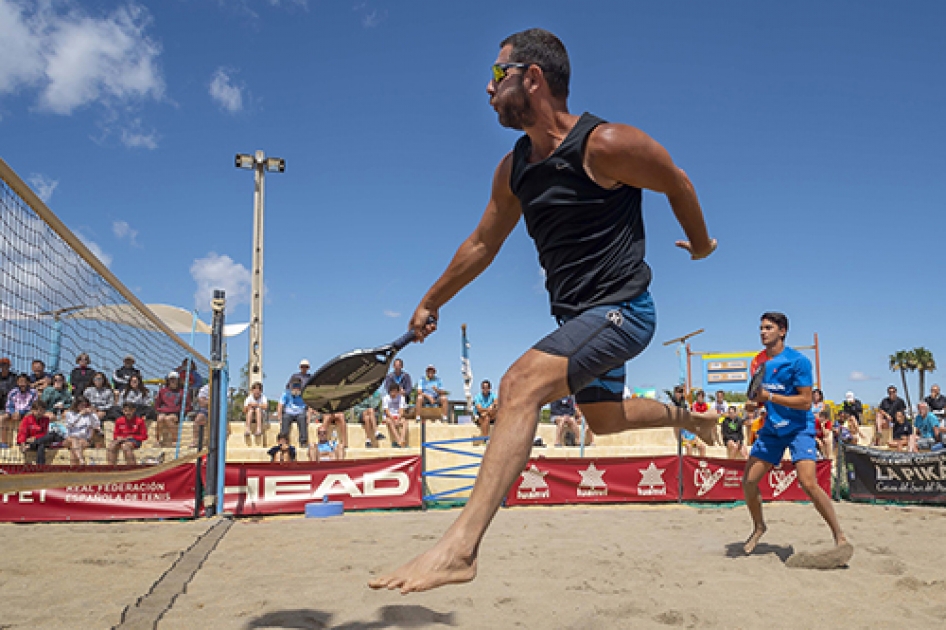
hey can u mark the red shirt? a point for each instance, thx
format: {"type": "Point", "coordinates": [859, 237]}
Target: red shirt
{"type": "Point", "coordinates": [700, 407]}
{"type": "Point", "coordinates": [134, 428]}
{"type": "Point", "coordinates": [32, 427]}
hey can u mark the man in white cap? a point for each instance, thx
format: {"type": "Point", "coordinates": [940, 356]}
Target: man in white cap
{"type": "Point", "coordinates": [853, 406]}
{"type": "Point", "coordinates": [302, 375]}
{"type": "Point", "coordinates": [430, 392]}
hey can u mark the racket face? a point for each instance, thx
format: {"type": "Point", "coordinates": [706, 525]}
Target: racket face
{"type": "Point", "coordinates": [347, 380]}
{"type": "Point", "coordinates": [755, 383]}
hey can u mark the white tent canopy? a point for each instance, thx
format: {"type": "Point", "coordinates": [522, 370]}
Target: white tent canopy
{"type": "Point", "coordinates": [177, 319]}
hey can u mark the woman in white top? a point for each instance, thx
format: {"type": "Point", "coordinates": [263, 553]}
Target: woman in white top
{"type": "Point", "coordinates": [254, 409]}
{"type": "Point", "coordinates": [393, 405]}
{"type": "Point", "coordinates": [80, 421]}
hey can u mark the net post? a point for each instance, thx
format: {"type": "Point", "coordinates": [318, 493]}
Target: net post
{"type": "Point", "coordinates": [223, 406]}
{"type": "Point", "coordinates": [211, 507]}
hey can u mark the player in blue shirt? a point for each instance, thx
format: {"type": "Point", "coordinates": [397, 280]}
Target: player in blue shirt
{"type": "Point", "coordinates": [789, 423]}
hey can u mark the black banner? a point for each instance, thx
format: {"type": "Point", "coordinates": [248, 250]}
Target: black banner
{"type": "Point", "coordinates": [895, 476]}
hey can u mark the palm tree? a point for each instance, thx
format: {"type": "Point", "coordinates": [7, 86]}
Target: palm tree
{"type": "Point", "coordinates": [903, 361]}
{"type": "Point", "coordinates": [924, 363]}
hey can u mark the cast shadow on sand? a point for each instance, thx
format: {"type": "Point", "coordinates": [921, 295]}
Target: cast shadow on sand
{"type": "Point", "coordinates": [784, 552]}
{"type": "Point", "coordinates": [406, 616]}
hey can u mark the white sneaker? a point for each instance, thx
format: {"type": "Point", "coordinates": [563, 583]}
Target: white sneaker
{"type": "Point", "coordinates": [367, 443]}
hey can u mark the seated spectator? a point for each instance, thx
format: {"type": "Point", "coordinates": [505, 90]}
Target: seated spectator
{"type": "Point", "coordinates": [102, 399]}
{"type": "Point", "coordinates": [902, 430]}
{"type": "Point", "coordinates": [887, 412]}
{"type": "Point", "coordinates": [848, 429]}
{"type": "Point", "coordinates": [937, 403]}
{"type": "Point", "coordinates": [325, 449]}
{"type": "Point", "coordinates": [302, 375]}
{"type": "Point", "coordinates": [129, 434]}
{"type": "Point", "coordinates": [137, 393]}
{"type": "Point", "coordinates": [401, 378]}
{"type": "Point", "coordinates": [40, 379]}
{"type": "Point", "coordinates": [339, 426]}
{"type": "Point", "coordinates": [188, 370]}
{"type": "Point", "coordinates": [567, 418]}
{"type": "Point", "coordinates": [366, 413]}
{"type": "Point", "coordinates": [291, 409]}
{"type": "Point", "coordinates": [824, 433]}
{"type": "Point", "coordinates": [853, 406]}
{"type": "Point", "coordinates": [81, 376]}
{"type": "Point", "coordinates": [699, 403]}
{"type": "Point", "coordinates": [720, 405]}
{"type": "Point", "coordinates": [484, 408]}
{"type": "Point", "coordinates": [168, 407]}
{"type": "Point", "coordinates": [7, 382]}
{"type": "Point", "coordinates": [255, 411]}
{"type": "Point", "coordinates": [394, 407]}
{"type": "Point", "coordinates": [81, 422]}
{"type": "Point", "coordinates": [199, 418]}
{"type": "Point", "coordinates": [430, 393]}
{"type": "Point", "coordinates": [691, 443]}
{"type": "Point", "coordinates": [925, 429]}
{"type": "Point", "coordinates": [57, 396]}
{"type": "Point", "coordinates": [19, 403]}
{"type": "Point", "coordinates": [121, 374]}
{"type": "Point", "coordinates": [34, 432]}
{"type": "Point", "coordinates": [283, 451]}
{"type": "Point", "coordinates": [732, 430]}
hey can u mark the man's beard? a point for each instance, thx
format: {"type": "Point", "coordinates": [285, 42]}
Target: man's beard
{"type": "Point", "coordinates": [515, 110]}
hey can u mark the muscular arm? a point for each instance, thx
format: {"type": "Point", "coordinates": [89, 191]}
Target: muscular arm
{"type": "Point", "coordinates": [800, 400]}
{"type": "Point", "coordinates": [623, 154]}
{"type": "Point", "coordinates": [479, 249]}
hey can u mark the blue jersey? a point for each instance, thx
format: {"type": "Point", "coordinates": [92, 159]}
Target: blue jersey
{"type": "Point", "coordinates": [784, 374]}
{"type": "Point", "coordinates": [483, 401]}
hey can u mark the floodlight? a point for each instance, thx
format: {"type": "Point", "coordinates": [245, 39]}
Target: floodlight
{"type": "Point", "coordinates": [244, 161]}
{"type": "Point", "coordinates": [276, 165]}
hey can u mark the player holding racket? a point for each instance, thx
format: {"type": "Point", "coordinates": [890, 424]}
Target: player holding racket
{"type": "Point", "coordinates": [789, 423]}
{"type": "Point", "coordinates": [577, 182]}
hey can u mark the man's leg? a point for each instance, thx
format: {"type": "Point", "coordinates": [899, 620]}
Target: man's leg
{"type": "Point", "coordinates": [808, 480]}
{"type": "Point", "coordinates": [754, 471]}
{"type": "Point", "coordinates": [643, 413]}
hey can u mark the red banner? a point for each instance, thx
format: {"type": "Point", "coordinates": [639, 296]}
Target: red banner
{"type": "Point", "coordinates": [169, 494]}
{"type": "Point", "coordinates": [598, 480]}
{"type": "Point", "coordinates": [285, 488]}
{"type": "Point", "coordinates": [721, 480]}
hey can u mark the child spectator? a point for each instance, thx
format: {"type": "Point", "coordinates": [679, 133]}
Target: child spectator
{"type": "Point", "coordinates": [34, 432]}
{"type": "Point", "coordinates": [824, 434]}
{"type": "Point", "coordinates": [19, 402]}
{"type": "Point", "coordinates": [130, 433]}
{"type": "Point", "coordinates": [81, 422]}
{"type": "Point", "coordinates": [394, 405]}
{"type": "Point", "coordinates": [325, 448]}
{"type": "Point", "coordinates": [848, 429]}
{"type": "Point", "coordinates": [81, 376]}
{"type": "Point", "coordinates": [699, 405]}
{"type": "Point", "coordinates": [203, 412]}
{"type": "Point", "coordinates": [139, 395]}
{"type": "Point", "coordinates": [168, 407]}
{"type": "Point", "coordinates": [102, 398]}
{"type": "Point", "coordinates": [293, 409]}
{"type": "Point", "coordinates": [283, 451]}
{"type": "Point", "coordinates": [57, 396]}
{"type": "Point", "coordinates": [255, 410]}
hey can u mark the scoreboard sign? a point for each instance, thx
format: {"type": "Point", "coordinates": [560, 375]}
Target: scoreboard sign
{"type": "Point", "coordinates": [727, 372]}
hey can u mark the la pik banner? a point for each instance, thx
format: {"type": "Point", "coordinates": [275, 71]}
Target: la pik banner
{"type": "Point", "coordinates": [895, 476]}
{"type": "Point", "coordinates": [251, 489]}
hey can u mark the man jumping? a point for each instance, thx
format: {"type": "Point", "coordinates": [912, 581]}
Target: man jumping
{"type": "Point", "coordinates": [577, 181]}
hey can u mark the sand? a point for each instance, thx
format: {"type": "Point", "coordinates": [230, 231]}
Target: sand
{"type": "Point", "coordinates": [596, 567]}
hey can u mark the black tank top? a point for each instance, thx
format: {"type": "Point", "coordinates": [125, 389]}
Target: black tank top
{"type": "Point", "coordinates": [590, 239]}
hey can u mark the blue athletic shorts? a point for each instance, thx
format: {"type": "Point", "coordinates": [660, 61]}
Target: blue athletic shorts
{"type": "Point", "coordinates": [769, 446]}
{"type": "Point", "coordinates": [597, 344]}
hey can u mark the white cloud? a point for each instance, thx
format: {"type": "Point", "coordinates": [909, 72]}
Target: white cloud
{"type": "Point", "coordinates": [123, 231]}
{"type": "Point", "coordinates": [391, 314]}
{"type": "Point", "coordinates": [220, 272]}
{"type": "Point", "coordinates": [862, 376]}
{"type": "Point", "coordinates": [43, 186]}
{"type": "Point", "coordinates": [136, 139]}
{"type": "Point", "coordinates": [370, 17]}
{"type": "Point", "coordinates": [225, 93]}
{"type": "Point", "coordinates": [72, 59]}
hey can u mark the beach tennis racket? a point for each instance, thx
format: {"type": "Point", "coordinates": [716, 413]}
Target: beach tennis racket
{"type": "Point", "coordinates": [758, 373]}
{"type": "Point", "coordinates": [350, 378]}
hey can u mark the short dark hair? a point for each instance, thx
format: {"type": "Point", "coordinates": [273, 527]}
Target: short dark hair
{"type": "Point", "coordinates": [779, 319]}
{"type": "Point", "coordinates": [282, 436]}
{"type": "Point", "coordinates": [486, 383]}
{"type": "Point", "coordinates": [542, 48]}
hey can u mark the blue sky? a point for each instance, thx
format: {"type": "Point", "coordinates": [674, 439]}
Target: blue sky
{"type": "Point", "coordinates": [812, 131]}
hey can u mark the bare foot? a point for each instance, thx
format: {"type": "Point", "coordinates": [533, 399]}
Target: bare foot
{"type": "Point", "coordinates": [754, 538]}
{"type": "Point", "coordinates": [704, 425]}
{"type": "Point", "coordinates": [437, 567]}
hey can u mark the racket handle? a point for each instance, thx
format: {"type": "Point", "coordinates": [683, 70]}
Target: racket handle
{"type": "Point", "coordinates": [408, 337]}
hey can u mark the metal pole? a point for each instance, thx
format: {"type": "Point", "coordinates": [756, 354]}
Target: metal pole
{"type": "Point", "coordinates": [256, 305]}
{"type": "Point", "coordinates": [224, 410]}
{"type": "Point", "coordinates": [817, 362]}
{"type": "Point", "coordinates": [216, 354]}
{"type": "Point", "coordinates": [187, 383]}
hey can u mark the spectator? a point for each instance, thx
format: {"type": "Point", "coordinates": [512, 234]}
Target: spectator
{"type": "Point", "coordinates": [57, 396]}
{"type": "Point", "coordinates": [817, 402]}
{"type": "Point", "coordinates": [733, 434]}
{"type": "Point", "coordinates": [129, 434]}
{"type": "Point", "coordinates": [902, 430]}
{"type": "Point", "coordinates": [926, 429]}
{"type": "Point", "coordinates": [688, 439]}
{"type": "Point", "coordinates": [168, 407]}
{"type": "Point", "coordinates": [430, 392]}
{"type": "Point", "coordinates": [325, 448]}
{"type": "Point", "coordinates": [255, 410]}
{"type": "Point", "coordinates": [848, 428]}
{"type": "Point", "coordinates": [199, 418]}
{"type": "Point", "coordinates": [366, 413]}
{"type": "Point", "coordinates": [720, 405]}
{"type": "Point", "coordinates": [121, 375]}
{"type": "Point", "coordinates": [936, 402]}
{"type": "Point", "coordinates": [567, 418]}
{"type": "Point", "coordinates": [102, 399]}
{"type": "Point", "coordinates": [484, 408]}
{"type": "Point", "coordinates": [140, 396]}
{"type": "Point", "coordinates": [291, 409]}
{"type": "Point", "coordinates": [7, 382]}
{"type": "Point", "coordinates": [302, 375]}
{"type": "Point", "coordinates": [339, 426]}
{"type": "Point", "coordinates": [886, 412]}
{"type": "Point", "coordinates": [19, 403]}
{"type": "Point", "coordinates": [81, 422]}
{"type": "Point", "coordinates": [824, 434]}
{"type": "Point", "coordinates": [283, 451]}
{"type": "Point", "coordinates": [400, 377]}
{"type": "Point", "coordinates": [853, 406]}
{"type": "Point", "coordinates": [40, 379]}
{"type": "Point", "coordinates": [34, 431]}
{"type": "Point", "coordinates": [395, 407]}
{"type": "Point", "coordinates": [699, 405]}
{"type": "Point", "coordinates": [82, 374]}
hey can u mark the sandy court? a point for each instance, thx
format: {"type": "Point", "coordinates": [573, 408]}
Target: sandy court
{"type": "Point", "coordinates": [600, 567]}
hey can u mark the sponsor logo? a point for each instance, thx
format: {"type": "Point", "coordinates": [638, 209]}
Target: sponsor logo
{"type": "Point", "coordinates": [781, 480]}
{"type": "Point", "coordinates": [615, 317]}
{"type": "Point", "coordinates": [384, 483]}
{"type": "Point", "coordinates": [533, 484]}
{"type": "Point", "coordinates": [592, 484]}
{"type": "Point", "coordinates": [705, 479]}
{"type": "Point", "coordinates": [652, 482]}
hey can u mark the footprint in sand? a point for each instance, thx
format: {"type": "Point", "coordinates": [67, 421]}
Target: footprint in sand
{"type": "Point", "coordinates": [834, 558]}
